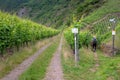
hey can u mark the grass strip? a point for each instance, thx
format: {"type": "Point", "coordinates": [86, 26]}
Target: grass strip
{"type": "Point", "coordinates": [38, 69]}
{"type": "Point", "coordinates": [10, 62]}
{"type": "Point", "coordinates": [108, 69]}
{"type": "Point", "coordinates": [72, 72]}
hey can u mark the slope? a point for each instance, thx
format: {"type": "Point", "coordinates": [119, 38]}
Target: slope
{"type": "Point", "coordinates": [11, 5]}
{"type": "Point", "coordinates": [16, 32]}
{"type": "Point", "coordinates": [104, 68]}
{"type": "Point", "coordinates": [50, 12]}
{"type": "Point", "coordinates": [97, 23]}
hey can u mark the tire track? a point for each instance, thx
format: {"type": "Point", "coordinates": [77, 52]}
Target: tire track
{"type": "Point", "coordinates": [54, 71]}
{"type": "Point", "coordinates": [15, 73]}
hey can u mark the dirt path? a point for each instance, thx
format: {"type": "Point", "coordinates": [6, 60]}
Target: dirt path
{"type": "Point", "coordinates": [14, 74]}
{"type": "Point", "coordinates": [95, 67]}
{"type": "Point", "coordinates": [54, 71]}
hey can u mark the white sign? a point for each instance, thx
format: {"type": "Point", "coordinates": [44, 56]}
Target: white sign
{"type": "Point", "coordinates": [112, 20]}
{"type": "Point", "coordinates": [113, 32]}
{"type": "Point", "coordinates": [74, 30]}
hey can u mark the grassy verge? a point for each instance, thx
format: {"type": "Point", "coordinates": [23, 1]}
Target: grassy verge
{"type": "Point", "coordinates": [10, 62]}
{"type": "Point", "coordinates": [108, 69]}
{"type": "Point", "coordinates": [71, 72]}
{"type": "Point", "coordinates": [38, 69]}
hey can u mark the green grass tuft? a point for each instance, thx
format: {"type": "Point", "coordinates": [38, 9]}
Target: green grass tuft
{"type": "Point", "coordinates": [38, 69]}
{"type": "Point", "coordinates": [109, 67]}
{"type": "Point", "coordinates": [11, 61]}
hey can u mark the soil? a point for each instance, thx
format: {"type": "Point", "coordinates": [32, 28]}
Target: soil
{"type": "Point", "coordinates": [95, 67]}
{"type": "Point", "coordinates": [14, 74]}
{"type": "Point", "coordinates": [54, 71]}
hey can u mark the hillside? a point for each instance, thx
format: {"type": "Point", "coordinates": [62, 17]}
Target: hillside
{"type": "Point", "coordinates": [32, 51]}
{"type": "Point", "coordinates": [103, 64]}
{"type": "Point", "coordinates": [98, 24]}
{"type": "Point", "coordinates": [50, 12]}
{"type": "Point", "coordinates": [15, 32]}
{"type": "Point", "coordinates": [11, 5]}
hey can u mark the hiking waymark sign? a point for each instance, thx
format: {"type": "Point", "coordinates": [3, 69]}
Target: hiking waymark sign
{"type": "Point", "coordinates": [75, 30]}
{"type": "Point", "coordinates": [113, 32]}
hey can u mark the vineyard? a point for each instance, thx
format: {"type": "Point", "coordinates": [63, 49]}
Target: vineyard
{"type": "Point", "coordinates": [15, 32]}
{"type": "Point", "coordinates": [102, 29]}
{"type": "Point", "coordinates": [99, 65]}
{"type": "Point", "coordinates": [96, 24]}
{"type": "Point", "coordinates": [84, 38]}
{"type": "Point", "coordinates": [30, 50]}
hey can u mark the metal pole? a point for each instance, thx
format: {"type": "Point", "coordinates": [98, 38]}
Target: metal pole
{"type": "Point", "coordinates": [113, 44]}
{"type": "Point", "coordinates": [113, 34]}
{"type": "Point", "coordinates": [113, 37]}
{"type": "Point", "coordinates": [75, 31]}
{"type": "Point", "coordinates": [77, 48]}
{"type": "Point", "coordinates": [76, 51]}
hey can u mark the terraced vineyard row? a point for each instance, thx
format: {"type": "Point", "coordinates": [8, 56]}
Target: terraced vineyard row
{"type": "Point", "coordinates": [101, 28]}
{"type": "Point", "coordinates": [104, 27]}
{"type": "Point", "coordinates": [15, 32]}
{"type": "Point", "coordinates": [84, 38]}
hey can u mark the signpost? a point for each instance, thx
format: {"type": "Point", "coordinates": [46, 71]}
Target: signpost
{"type": "Point", "coordinates": [75, 31]}
{"type": "Point", "coordinates": [113, 33]}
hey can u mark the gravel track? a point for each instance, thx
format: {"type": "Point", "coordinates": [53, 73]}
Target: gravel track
{"type": "Point", "coordinates": [54, 71]}
{"type": "Point", "coordinates": [15, 73]}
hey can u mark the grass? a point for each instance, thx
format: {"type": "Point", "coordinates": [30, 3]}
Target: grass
{"type": "Point", "coordinates": [111, 6]}
{"type": "Point", "coordinates": [108, 69]}
{"type": "Point", "coordinates": [38, 69]}
{"type": "Point", "coordinates": [71, 72]}
{"type": "Point", "coordinates": [10, 62]}
{"type": "Point", "coordinates": [117, 40]}
{"type": "Point", "coordinates": [100, 21]}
